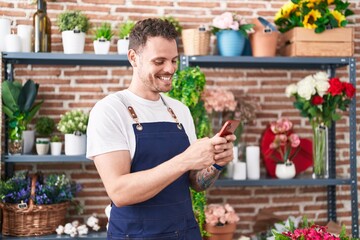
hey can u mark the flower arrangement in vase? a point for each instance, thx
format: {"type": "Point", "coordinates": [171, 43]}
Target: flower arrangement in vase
{"type": "Point", "coordinates": [318, 15]}
{"type": "Point", "coordinates": [74, 124]}
{"type": "Point", "coordinates": [284, 147]}
{"type": "Point", "coordinates": [318, 98]}
{"type": "Point", "coordinates": [230, 30]}
{"type": "Point", "coordinates": [217, 102]}
{"type": "Point", "coordinates": [220, 221]}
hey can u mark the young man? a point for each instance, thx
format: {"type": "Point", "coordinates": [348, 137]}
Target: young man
{"type": "Point", "coordinates": [144, 146]}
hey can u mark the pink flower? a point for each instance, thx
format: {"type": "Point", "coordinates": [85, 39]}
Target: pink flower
{"type": "Point", "coordinates": [284, 141]}
{"type": "Point", "coordinates": [219, 100]}
{"type": "Point", "coordinates": [218, 215]}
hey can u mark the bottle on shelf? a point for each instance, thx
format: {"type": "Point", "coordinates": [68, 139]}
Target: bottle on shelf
{"type": "Point", "coordinates": [42, 28]}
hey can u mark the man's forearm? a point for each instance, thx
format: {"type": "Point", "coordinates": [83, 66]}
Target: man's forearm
{"type": "Point", "coordinates": [200, 180]}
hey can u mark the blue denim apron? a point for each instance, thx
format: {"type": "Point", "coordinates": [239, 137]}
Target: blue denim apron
{"type": "Point", "coordinates": [169, 214]}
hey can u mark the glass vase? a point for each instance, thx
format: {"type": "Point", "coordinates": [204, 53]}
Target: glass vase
{"type": "Point", "coordinates": [320, 152]}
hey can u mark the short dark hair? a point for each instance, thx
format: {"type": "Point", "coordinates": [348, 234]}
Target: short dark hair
{"type": "Point", "coordinates": [150, 27]}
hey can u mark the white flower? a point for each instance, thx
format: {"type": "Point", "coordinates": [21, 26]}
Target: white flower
{"type": "Point", "coordinates": [306, 87]}
{"type": "Point", "coordinates": [60, 229]}
{"type": "Point", "coordinates": [82, 230]}
{"type": "Point", "coordinates": [75, 223]}
{"type": "Point", "coordinates": [96, 227]}
{"type": "Point", "coordinates": [244, 238]}
{"type": "Point", "coordinates": [291, 90]}
{"type": "Point", "coordinates": [321, 76]}
{"type": "Point", "coordinates": [92, 221]}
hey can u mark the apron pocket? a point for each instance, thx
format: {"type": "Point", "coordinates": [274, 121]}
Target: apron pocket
{"type": "Point", "coordinates": [164, 236]}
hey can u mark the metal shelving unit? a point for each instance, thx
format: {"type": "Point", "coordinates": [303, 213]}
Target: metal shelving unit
{"type": "Point", "coordinates": [326, 64]}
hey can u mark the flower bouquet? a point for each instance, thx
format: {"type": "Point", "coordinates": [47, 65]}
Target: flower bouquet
{"type": "Point", "coordinates": [294, 229]}
{"type": "Point", "coordinates": [231, 31]}
{"type": "Point", "coordinates": [319, 15]}
{"type": "Point", "coordinates": [318, 98]}
{"type": "Point", "coordinates": [220, 221]}
{"type": "Point", "coordinates": [35, 205]}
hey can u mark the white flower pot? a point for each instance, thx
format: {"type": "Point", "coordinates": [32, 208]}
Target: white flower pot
{"type": "Point", "coordinates": [101, 47]}
{"type": "Point", "coordinates": [122, 46]}
{"type": "Point", "coordinates": [73, 42]}
{"type": "Point", "coordinates": [75, 145]}
{"type": "Point", "coordinates": [285, 171]}
{"type": "Point", "coordinates": [55, 148]}
{"type": "Point", "coordinates": [28, 137]}
{"type": "Point", "coordinates": [42, 146]}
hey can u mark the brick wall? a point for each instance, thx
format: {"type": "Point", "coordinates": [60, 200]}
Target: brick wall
{"type": "Point", "coordinates": [67, 87]}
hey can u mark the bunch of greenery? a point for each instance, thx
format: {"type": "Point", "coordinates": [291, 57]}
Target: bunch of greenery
{"type": "Point", "coordinates": [319, 15]}
{"type": "Point", "coordinates": [18, 105]}
{"type": "Point", "coordinates": [125, 29]}
{"type": "Point", "coordinates": [45, 126]}
{"type": "Point", "coordinates": [54, 188]}
{"type": "Point", "coordinates": [187, 86]}
{"type": "Point", "coordinates": [55, 138]}
{"type": "Point", "coordinates": [104, 32]}
{"type": "Point", "coordinates": [73, 122]}
{"type": "Point", "coordinates": [73, 20]}
{"type": "Point", "coordinates": [174, 22]}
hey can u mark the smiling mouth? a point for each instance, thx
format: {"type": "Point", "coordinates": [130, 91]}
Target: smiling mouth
{"type": "Point", "coordinates": [166, 79]}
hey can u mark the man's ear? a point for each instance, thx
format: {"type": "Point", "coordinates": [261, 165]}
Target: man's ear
{"type": "Point", "coordinates": [132, 57]}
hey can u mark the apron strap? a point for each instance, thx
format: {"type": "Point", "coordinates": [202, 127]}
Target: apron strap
{"type": "Point", "coordinates": [173, 115]}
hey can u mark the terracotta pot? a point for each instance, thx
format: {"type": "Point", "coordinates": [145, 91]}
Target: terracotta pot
{"type": "Point", "coordinates": [263, 41]}
{"type": "Point", "coordinates": [225, 232]}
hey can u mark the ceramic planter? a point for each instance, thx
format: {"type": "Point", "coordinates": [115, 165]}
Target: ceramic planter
{"type": "Point", "coordinates": [123, 46]}
{"type": "Point", "coordinates": [74, 144]}
{"type": "Point", "coordinates": [42, 146]}
{"type": "Point", "coordinates": [55, 148]}
{"type": "Point", "coordinates": [28, 137]}
{"type": "Point", "coordinates": [73, 42]}
{"type": "Point", "coordinates": [101, 47]}
{"type": "Point", "coordinates": [285, 170]}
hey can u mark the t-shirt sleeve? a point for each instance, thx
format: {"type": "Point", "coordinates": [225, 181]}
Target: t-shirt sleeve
{"type": "Point", "coordinates": [105, 131]}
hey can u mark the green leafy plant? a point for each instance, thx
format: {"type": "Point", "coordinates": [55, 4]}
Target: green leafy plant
{"type": "Point", "coordinates": [125, 29]}
{"type": "Point", "coordinates": [44, 126]}
{"type": "Point", "coordinates": [18, 105]}
{"type": "Point", "coordinates": [318, 15]}
{"type": "Point", "coordinates": [187, 86]}
{"type": "Point", "coordinates": [104, 32]}
{"type": "Point", "coordinates": [73, 122]}
{"type": "Point", "coordinates": [73, 20]}
{"type": "Point", "coordinates": [174, 22]}
{"type": "Point", "coordinates": [55, 138]}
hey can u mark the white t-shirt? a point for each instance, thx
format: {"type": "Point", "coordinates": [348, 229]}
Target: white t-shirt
{"type": "Point", "coordinates": [110, 124]}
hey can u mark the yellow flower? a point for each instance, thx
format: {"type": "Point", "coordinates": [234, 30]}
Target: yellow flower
{"type": "Point", "coordinates": [330, 2]}
{"type": "Point", "coordinates": [285, 11]}
{"type": "Point", "coordinates": [338, 16]}
{"type": "Point", "coordinates": [309, 19]}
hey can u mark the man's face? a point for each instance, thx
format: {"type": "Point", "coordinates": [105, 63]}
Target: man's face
{"type": "Point", "coordinates": [156, 64]}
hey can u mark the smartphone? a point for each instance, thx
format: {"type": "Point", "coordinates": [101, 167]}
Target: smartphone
{"type": "Point", "coordinates": [229, 127]}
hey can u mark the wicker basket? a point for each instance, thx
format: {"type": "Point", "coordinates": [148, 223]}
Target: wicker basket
{"type": "Point", "coordinates": [195, 42]}
{"type": "Point", "coordinates": [33, 220]}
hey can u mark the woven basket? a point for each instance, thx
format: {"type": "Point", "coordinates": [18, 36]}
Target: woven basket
{"type": "Point", "coordinates": [196, 42]}
{"type": "Point", "coordinates": [35, 219]}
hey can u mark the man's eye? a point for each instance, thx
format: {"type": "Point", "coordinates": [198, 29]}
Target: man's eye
{"type": "Point", "coordinates": [159, 62]}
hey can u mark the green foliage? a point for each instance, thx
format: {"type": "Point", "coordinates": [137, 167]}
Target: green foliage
{"type": "Point", "coordinates": [55, 138]}
{"type": "Point", "coordinates": [18, 105]}
{"type": "Point", "coordinates": [187, 86]}
{"type": "Point", "coordinates": [45, 126]}
{"type": "Point", "coordinates": [71, 20]}
{"type": "Point", "coordinates": [125, 29]}
{"type": "Point", "coordinates": [73, 122]}
{"type": "Point", "coordinates": [174, 22]}
{"type": "Point", "coordinates": [104, 32]}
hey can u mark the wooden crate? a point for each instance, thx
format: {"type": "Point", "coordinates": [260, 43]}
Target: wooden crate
{"type": "Point", "coordinates": [302, 42]}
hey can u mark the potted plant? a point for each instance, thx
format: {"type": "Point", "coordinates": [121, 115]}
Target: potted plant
{"type": "Point", "coordinates": [124, 32]}
{"type": "Point", "coordinates": [55, 145]}
{"type": "Point", "coordinates": [230, 30]}
{"type": "Point", "coordinates": [187, 86]}
{"type": "Point", "coordinates": [20, 108]}
{"type": "Point", "coordinates": [220, 221]}
{"type": "Point", "coordinates": [37, 203]}
{"type": "Point", "coordinates": [103, 35]}
{"type": "Point", "coordinates": [73, 26]}
{"type": "Point", "coordinates": [44, 127]}
{"type": "Point", "coordinates": [74, 124]}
